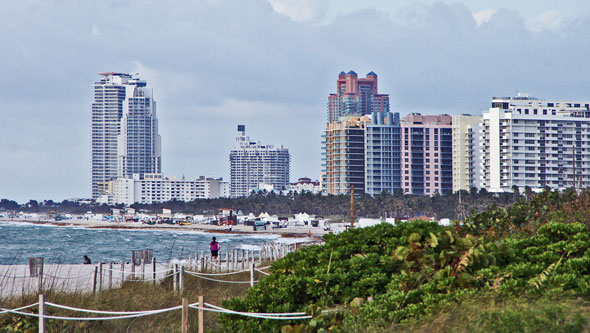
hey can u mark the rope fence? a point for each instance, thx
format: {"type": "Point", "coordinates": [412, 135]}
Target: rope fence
{"type": "Point", "coordinates": [201, 306]}
{"type": "Point", "coordinates": [216, 280]}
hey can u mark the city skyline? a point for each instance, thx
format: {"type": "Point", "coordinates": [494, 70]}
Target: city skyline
{"type": "Point", "coordinates": [268, 65]}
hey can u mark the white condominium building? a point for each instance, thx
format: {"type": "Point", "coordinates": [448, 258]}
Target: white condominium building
{"type": "Point", "coordinates": [125, 138]}
{"type": "Point", "coordinates": [535, 143]}
{"type": "Point", "coordinates": [154, 187]}
{"type": "Point", "coordinates": [252, 163]}
{"type": "Point", "coordinates": [466, 166]}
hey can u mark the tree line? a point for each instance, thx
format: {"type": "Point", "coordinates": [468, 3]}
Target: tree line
{"type": "Point", "coordinates": [453, 206]}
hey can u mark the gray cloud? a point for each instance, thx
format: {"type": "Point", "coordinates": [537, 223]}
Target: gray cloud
{"type": "Point", "coordinates": [214, 64]}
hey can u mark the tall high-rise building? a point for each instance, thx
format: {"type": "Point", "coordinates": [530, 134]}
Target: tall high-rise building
{"type": "Point", "coordinates": [383, 154]}
{"type": "Point", "coordinates": [535, 143]}
{"type": "Point", "coordinates": [343, 161]}
{"type": "Point", "coordinates": [466, 169]}
{"type": "Point", "coordinates": [356, 97]}
{"type": "Point", "coordinates": [125, 139]}
{"type": "Point", "coordinates": [253, 164]}
{"type": "Point", "coordinates": [427, 154]}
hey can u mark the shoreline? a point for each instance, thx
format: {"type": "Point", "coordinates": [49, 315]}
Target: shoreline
{"type": "Point", "coordinates": [298, 232]}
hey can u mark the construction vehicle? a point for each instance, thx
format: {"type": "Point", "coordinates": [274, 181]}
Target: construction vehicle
{"type": "Point", "coordinates": [226, 216]}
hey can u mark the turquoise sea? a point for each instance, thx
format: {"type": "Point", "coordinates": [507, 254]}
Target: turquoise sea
{"type": "Point", "coordinates": [68, 245]}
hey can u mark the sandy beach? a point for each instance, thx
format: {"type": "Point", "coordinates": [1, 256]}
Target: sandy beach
{"type": "Point", "coordinates": [316, 232]}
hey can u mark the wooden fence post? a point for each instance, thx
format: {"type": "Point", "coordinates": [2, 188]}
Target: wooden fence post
{"type": "Point", "coordinates": [243, 259]}
{"type": "Point", "coordinates": [111, 274]}
{"type": "Point", "coordinates": [201, 314]}
{"type": "Point", "coordinates": [40, 275]}
{"type": "Point", "coordinates": [94, 280]}
{"type": "Point", "coordinates": [41, 313]}
{"type": "Point", "coordinates": [122, 271]}
{"type": "Point", "coordinates": [252, 275]}
{"type": "Point", "coordinates": [100, 276]}
{"type": "Point", "coordinates": [143, 268]}
{"type": "Point", "coordinates": [202, 261]}
{"type": "Point", "coordinates": [132, 270]}
{"type": "Point", "coordinates": [181, 287]}
{"type": "Point", "coordinates": [175, 278]}
{"type": "Point", "coordinates": [154, 269]}
{"type": "Point", "coordinates": [184, 315]}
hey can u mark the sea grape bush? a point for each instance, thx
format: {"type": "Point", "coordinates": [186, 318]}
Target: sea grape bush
{"type": "Point", "coordinates": [414, 268]}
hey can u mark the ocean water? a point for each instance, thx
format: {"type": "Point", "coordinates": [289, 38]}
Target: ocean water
{"type": "Point", "coordinates": [68, 245]}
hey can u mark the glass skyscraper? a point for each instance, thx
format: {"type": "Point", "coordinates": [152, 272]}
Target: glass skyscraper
{"type": "Point", "coordinates": [383, 154]}
{"type": "Point", "coordinates": [125, 139]}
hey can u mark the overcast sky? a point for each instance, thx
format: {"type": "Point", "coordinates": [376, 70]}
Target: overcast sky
{"type": "Point", "coordinates": [268, 64]}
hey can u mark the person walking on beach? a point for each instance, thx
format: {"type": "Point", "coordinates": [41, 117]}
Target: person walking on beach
{"type": "Point", "coordinates": [214, 247]}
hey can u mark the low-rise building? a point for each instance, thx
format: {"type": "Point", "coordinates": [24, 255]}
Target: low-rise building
{"type": "Point", "coordinates": [154, 187]}
{"type": "Point", "coordinates": [305, 185]}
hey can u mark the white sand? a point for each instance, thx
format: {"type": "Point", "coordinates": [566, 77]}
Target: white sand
{"type": "Point", "coordinates": [316, 232]}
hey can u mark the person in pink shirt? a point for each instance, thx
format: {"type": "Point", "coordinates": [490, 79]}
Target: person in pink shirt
{"type": "Point", "coordinates": [214, 247]}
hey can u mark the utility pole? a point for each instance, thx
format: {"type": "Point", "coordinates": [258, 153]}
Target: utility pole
{"type": "Point", "coordinates": [351, 207]}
